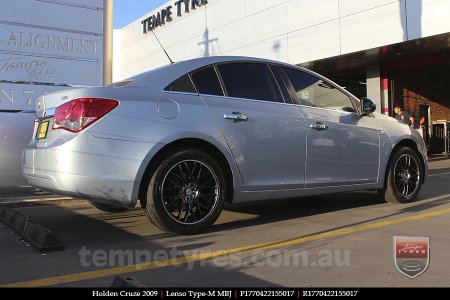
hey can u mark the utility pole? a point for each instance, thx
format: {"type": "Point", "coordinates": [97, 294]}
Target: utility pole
{"type": "Point", "coordinates": [108, 7]}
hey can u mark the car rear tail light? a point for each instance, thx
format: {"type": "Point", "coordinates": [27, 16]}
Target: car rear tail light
{"type": "Point", "coordinates": [76, 115]}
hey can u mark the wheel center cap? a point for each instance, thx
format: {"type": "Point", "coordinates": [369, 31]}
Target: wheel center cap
{"type": "Point", "coordinates": [188, 192]}
{"type": "Point", "coordinates": [407, 174]}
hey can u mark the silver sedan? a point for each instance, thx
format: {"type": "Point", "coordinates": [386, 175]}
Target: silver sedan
{"type": "Point", "coordinates": [186, 138]}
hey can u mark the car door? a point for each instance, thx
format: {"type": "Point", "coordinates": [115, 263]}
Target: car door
{"type": "Point", "coordinates": [340, 151]}
{"type": "Point", "coordinates": [265, 135]}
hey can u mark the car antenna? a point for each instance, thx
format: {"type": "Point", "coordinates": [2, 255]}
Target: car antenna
{"type": "Point", "coordinates": [171, 61]}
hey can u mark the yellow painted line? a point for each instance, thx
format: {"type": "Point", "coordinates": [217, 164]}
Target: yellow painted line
{"type": "Point", "coordinates": [212, 255]}
{"type": "Point", "coordinates": [439, 174]}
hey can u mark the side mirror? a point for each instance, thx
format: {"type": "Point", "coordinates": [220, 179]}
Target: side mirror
{"type": "Point", "coordinates": [367, 106]}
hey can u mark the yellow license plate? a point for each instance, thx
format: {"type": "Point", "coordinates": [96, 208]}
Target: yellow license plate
{"type": "Point", "coordinates": [42, 130]}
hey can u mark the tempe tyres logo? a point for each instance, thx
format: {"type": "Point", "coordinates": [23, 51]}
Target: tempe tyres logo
{"type": "Point", "coordinates": [412, 255]}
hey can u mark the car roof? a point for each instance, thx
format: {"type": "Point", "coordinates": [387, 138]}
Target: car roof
{"type": "Point", "coordinates": [165, 75]}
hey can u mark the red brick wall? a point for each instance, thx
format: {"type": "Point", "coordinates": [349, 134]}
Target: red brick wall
{"type": "Point", "coordinates": [424, 86]}
{"type": "Point", "coordinates": [412, 101]}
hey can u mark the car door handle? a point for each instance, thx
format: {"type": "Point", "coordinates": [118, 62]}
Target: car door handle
{"type": "Point", "coordinates": [235, 116]}
{"type": "Point", "coordinates": [318, 126]}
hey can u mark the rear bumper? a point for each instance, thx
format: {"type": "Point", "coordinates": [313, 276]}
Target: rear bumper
{"type": "Point", "coordinates": [97, 169]}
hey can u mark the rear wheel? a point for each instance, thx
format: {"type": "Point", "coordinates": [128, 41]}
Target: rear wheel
{"type": "Point", "coordinates": [186, 193]}
{"type": "Point", "coordinates": [404, 177]}
{"type": "Point", "coordinates": [108, 208]}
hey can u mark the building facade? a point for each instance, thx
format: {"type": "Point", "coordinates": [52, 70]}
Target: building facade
{"type": "Point", "coordinates": [392, 51]}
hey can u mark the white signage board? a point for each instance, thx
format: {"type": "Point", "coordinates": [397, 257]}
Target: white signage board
{"type": "Point", "coordinates": [23, 96]}
{"type": "Point", "coordinates": [56, 41]}
{"type": "Point", "coordinates": [50, 43]}
{"type": "Point", "coordinates": [71, 16]}
{"type": "Point", "coordinates": [46, 70]}
{"type": "Point", "coordinates": [45, 46]}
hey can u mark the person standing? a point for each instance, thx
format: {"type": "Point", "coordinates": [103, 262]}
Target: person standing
{"type": "Point", "coordinates": [403, 116]}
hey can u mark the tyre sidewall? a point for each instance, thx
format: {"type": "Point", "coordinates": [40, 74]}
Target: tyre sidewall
{"type": "Point", "coordinates": [391, 187]}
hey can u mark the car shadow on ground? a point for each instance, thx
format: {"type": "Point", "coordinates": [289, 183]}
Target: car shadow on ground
{"type": "Point", "coordinates": [271, 211]}
{"type": "Point", "coordinates": [285, 209]}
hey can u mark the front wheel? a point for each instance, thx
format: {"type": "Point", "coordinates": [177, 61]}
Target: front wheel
{"type": "Point", "coordinates": [404, 177]}
{"type": "Point", "coordinates": [186, 193]}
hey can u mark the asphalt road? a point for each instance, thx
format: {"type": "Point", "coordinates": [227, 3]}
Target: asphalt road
{"type": "Point", "coordinates": [342, 240]}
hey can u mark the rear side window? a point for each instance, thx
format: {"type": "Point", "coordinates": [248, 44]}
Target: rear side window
{"type": "Point", "coordinates": [182, 84]}
{"type": "Point", "coordinates": [250, 81]}
{"type": "Point", "coordinates": [207, 82]}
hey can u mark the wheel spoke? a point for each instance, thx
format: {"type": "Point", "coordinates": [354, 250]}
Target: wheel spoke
{"type": "Point", "coordinates": [186, 215]}
{"type": "Point", "coordinates": [209, 195]}
{"type": "Point", "coordinates": [199, 172]}
{"type": "Point", "coordinates": [172, 181]}
{"type": "Point", "coordinates": [203, 176]}
{"type": "Point", "coordinates": [197, 204]}
{"type": "Point", "coordinates": [193, 171]}
{"type": "Point", "coordinates": [190, 191]}
{"type": "Point", "coordinates": [411, 185]}
{"type": "Point", "coordinates": [182, 174]}
{"type": "Point", "coordinates": [188, 172]}
{"type": "Point", "coordinates": [406, 175]}
{"type": "Point", "coordinates": [179, 212]}
{"type": "Point", "coordinates": [203, 187]}
{"type": "Point", "coordinates": [175, 201]}
{"type": "Point", "coordinates": [176, 188]}
{"type": "Point", "coordinates": [401, 163]}
{"type": "Point", "coordinates": [206, 201]}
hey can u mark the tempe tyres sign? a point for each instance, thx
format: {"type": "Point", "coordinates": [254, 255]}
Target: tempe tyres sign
{"type": "Point", "coordinates": [166, 15]}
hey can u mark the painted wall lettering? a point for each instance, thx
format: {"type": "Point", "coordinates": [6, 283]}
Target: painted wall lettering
{"type": "Point", "coordinates": [50, 42]}
{"type": "Point", "coordinates": [165, 15]}
{"type": "Point", "coordinates": [36, 69]}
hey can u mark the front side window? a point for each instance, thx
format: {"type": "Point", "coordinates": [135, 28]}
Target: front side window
{"type": "Point", "coordinates": [207, 82]}
{"type": "Point", "coordinates": [313, 91]}
{"type": "Point", "coordinates": [250, 81]}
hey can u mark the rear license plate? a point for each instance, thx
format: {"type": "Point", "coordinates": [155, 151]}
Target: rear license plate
{"type": "Point", "coordinates": [42, 130]}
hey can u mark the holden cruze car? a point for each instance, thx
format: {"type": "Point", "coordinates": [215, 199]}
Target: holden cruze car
{"type": "Point", "coordinates": [186, 138]}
